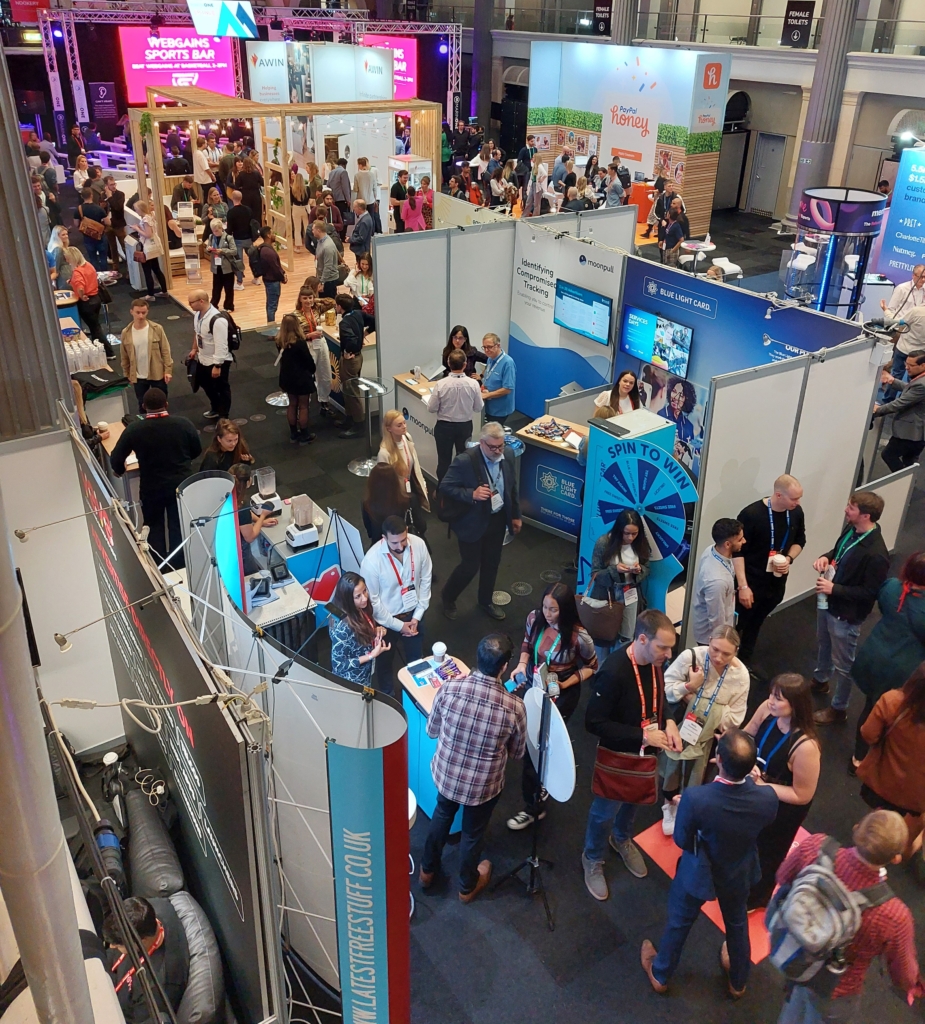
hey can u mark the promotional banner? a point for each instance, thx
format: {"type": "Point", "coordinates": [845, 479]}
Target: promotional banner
{"type": "Point", "coordinates": [23, 11]}
{"type": "Point", "coordinates": [299, 66]}
{"type": "Point", "coordinates": [103, 101]}
{"type": "Point", "coordinates": [223, 18]}
{"type": "Point", "coordinates": [368, 796]}
{"type": "Point", "coordinates": [550, 489]}
{"type": "Point", "coordinates": [81, 109]}
{"type": "Point", "coordinates": [176, 57]}
{"type": "Point", "coordinates": [904, 235]}
{"type": "Point", "coordinates": [405, 55]}
{"type": "Point", "coordinates": [267, 72]}
{"type": "Point", "coordinates": [350, 73]}
{"type": "Point", "coordinates": [798, 21]}
{"type": "Point", "coordinates": [842, 211]}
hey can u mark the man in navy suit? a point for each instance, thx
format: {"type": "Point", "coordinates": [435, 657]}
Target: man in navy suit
{"type": "Point", "coordinates": [485, 478]}
{"type": "Point", "coordinates": [717, 828]}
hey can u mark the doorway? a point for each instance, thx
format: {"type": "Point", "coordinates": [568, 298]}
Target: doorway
{"type": "Point", "coordinates": [766, 174]}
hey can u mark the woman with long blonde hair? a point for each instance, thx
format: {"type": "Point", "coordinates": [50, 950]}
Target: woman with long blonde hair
{"type": "Point", "coordinates": [298, 204]}
{"type": "Point", "coordinates": [397, 450]}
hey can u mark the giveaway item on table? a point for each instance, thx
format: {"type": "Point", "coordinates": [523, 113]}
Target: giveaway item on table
{"type": "Point", "coordinates": [426, 673]}
{"type": "Point", "coordinates": [549, 430]}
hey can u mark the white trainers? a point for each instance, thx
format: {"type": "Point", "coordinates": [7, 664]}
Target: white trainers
{"type": "Point", "coordinates": [669, 813]}
{"type": "Point", "coordinates": [238, 287]}
{"type": "Point", "coordinates": [523, 819]}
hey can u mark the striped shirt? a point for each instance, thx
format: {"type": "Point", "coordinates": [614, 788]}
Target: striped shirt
{"type": "Point", "coordinates": [456, 398]}
{"type": "Point", "coordinates": [478, 725]}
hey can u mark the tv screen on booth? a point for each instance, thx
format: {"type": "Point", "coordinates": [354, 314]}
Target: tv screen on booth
{"type": "Point", "coordinates": [582, 311]}
{"type": "Point", "coordinates": [175, 56]}
{"type": "Point", "coordinates": [655, 340]}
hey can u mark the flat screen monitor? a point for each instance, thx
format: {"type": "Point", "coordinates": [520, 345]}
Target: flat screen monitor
{"type": "Point", "coordinates": [585, 312]}
{"type": "Point", "coordinates": [655, 340]}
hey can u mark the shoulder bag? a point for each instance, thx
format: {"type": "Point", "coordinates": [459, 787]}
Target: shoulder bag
{"type": "Point", "coordinates": [91, 228]}
{"type": "Point", "coordinates": [602, 623]}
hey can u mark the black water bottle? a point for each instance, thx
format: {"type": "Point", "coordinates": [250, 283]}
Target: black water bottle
{"type": "Point", "coordinates": [110, 852]}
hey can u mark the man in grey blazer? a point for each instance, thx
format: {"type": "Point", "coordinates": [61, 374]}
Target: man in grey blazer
{"type": "Point", "coordinates": [908, 412]}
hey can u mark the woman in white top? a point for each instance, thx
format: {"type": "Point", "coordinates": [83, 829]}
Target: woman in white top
{"type": "Point", "coordinates": [623, 396]}
{"type": "Point", "coordinates": [712, 684]}
{"type": "Point", "coordinates": [80, 173]}
{"type": "Point", "coordinates": [152, 248]}
{"type": "Point", "coordinates": [360, 279]}
{"type": "Point", "coordinates": [539, 175]}
{"type": "Point", "coordinates": [397, 450]}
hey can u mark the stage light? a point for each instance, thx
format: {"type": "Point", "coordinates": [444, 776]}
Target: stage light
{"type": "Point", "coordinates": [444, 49]}
{"type": "Point", "coordinates": [57, 33]}
{"type": "Point", "coordinates": [276, 24]}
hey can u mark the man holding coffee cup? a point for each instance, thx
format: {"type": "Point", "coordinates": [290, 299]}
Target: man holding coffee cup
{"type": "Point", "coordinates": [775, 534]}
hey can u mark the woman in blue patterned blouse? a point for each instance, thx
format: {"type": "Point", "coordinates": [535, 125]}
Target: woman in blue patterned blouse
{"type": "Point", "coordinates": [356, 640]}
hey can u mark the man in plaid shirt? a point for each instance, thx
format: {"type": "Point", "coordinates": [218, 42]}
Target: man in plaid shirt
{"type": "Point", "coordinates": [886, 930]}
{"type": "Point", "coordinates": [478, 726]}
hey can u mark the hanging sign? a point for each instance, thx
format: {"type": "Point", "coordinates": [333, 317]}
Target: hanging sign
{"type": "Point", "coordinates": [798, 20]}
{"type": "Point", "coordinates": [602, 16]}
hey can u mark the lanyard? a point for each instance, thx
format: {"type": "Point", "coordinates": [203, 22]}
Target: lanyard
{"type": "Point", "coordinates": [406, 451]}
{"type": "Point", "coordinates": [706, 672]}
{"type": "Point", "coordinates": [128, 976]}
{"type": "Point", "coordinates": [549, 654]}
{"type": "Point", "coordinates": [722, 562]}
{"type": "Point", "coordinates": [771, 523]}
{"type": "Point", "coordinates": [767, 760]}
{"type": "Point", "coordinates": [495, 477]}
{"type": "Point", "coordinates": [397, 573]}
{"type": "Point", "coordinates": [841, 551]}
{"type": "Point", "coordinates": [642, 699]}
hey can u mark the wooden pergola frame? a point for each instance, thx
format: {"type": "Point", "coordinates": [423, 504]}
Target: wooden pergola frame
{"type": "Point", "coordinates": [195, 105]}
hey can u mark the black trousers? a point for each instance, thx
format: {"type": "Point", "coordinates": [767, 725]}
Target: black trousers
{"type": "Point", "coordinates": [217, 389]}
{"type": "Point", "coordinates": [447, 437]}
{"type": "Point", "coordinates": [901, 452]}
{"type": "Point", "coordinates": [329, 290]}
{"type": "Point", "coordinates": [752, 619]}
{"type": "Point", "coordinates": [480, 557]}
{"type": "Point", "coordinates": [223, 282]}
{"type": "Point", "coordinates": [89, 310]}
{"type": "Point", "coordinates": [141, 389]}
{"type": "Point", "coordinates": [151, 269]}
{"type": "Point", "coordinates": [474, 825]}
{"type": "Point", "coordinates": [384, 678]}
{"type": "Point", "coordinates": [153, 509]}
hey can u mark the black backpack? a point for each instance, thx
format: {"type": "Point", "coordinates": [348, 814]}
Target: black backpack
{"type": "Point", "coordinates": [449, 509]}
{"type": "Point", "coordinates": [254, 261]}
{"type": "Point", "coordinates": [234, 332]}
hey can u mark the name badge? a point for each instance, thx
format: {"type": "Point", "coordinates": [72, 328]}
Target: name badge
{"type": "Point", "coordinates": [630, 597]}
{"type": "Point", "coordinates": [408, 486]}
{"type": "Point", "coordinates": [409, 598]}
{"type": "Point", "coordinates": [770, 566]}
{"type": "Point", "coordinates": [218, 261]}
{"type": "Point", "coordinates": [497, 501]}
{"type": "Point", "coordinates": [691, 728]}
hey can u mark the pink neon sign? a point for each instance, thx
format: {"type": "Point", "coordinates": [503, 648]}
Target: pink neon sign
{"type": "Point", "coordinates": [405, 54]}
{"type": "Point", "coordinates": [177, 56]}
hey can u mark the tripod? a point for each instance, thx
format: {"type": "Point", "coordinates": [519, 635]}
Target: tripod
{"type": "Point", "coordinates": [534, 882]}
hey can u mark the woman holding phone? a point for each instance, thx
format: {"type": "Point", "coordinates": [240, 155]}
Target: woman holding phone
{"type": "Point", "coordinates": [356, 640]}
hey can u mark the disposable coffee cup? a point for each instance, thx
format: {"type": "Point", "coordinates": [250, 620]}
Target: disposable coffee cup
{"type": "Point", "coordinates": [439, 652]}
{"type": "Point", "coordinates": [779, 562]}
{"type": "Point", "coordinates": [417, 371]}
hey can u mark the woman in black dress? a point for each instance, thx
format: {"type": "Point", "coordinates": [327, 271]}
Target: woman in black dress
{"type": "Point", "coordinates": [459, 339]}
{"type": "Point", "coordinates": [296, 376]}
{"type": "Point", "coordinates": [249, 183]}
{"type": "Point", "coordinates": [789, 757]}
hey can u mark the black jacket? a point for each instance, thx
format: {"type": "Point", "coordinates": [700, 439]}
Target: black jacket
{"type": "Point", "coordinates": [614, 713]}
{"type": "Point", "coordinates": [361, 239]}
{"type": "Point", "coordinates": [859, 576]}
{"type": "Point", "coordinates": [462, 478]}
{"type": "Point", "coordinates": [352, 327]}
{"type": "Point", "coordinates": [165, 447]}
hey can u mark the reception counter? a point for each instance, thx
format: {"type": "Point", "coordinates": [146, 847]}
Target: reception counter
{"type": "Point", "coordinates": [551, 481]}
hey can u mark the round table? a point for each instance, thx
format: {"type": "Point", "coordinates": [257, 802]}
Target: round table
{"type": "Point", "coordinates": [696, 248]}
{"type": "Point", "coordinates": [365, 390]}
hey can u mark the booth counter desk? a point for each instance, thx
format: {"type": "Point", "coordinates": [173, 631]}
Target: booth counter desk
{"type": "Point", "coordinates": [409, 395]}
{"type": "Point", "coordinates": [331, 334]}
{"type": "Point", "coordinates": [551, 481]}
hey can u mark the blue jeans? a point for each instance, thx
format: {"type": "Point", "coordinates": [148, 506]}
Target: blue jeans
{"type": "Point", "coordinates": [803, 1006]}
{"type": "Point", "coordinates": [273, 290]}
{"type": "Point", "coordinates": [838, 642]}
{"type": "Point", "coordinates": [475, 821]}
{"type": "Point", "coordinates": [683, 911]}
{"type": "Point", "coordinates": [603, 817]}
{"type": "Point", "coordinates": [97, 251]}
{"type": "Point", "coordinates": [240, 244]}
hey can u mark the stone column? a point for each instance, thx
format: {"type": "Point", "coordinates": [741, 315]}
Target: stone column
{"type": "Point", "coordinates": [818, 140]}
{"type": "Point", "coordinates": [622, 21]}
{"type": "Point", "coordinates": [844, 138]}
{"type": "Point", "coordinates": [480, 104]}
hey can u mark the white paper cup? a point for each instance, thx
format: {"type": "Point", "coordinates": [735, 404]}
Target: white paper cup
{"type": "Point", "coordinates": [439, 652]}
{"type": "Point", "coordinates": [779, 562]}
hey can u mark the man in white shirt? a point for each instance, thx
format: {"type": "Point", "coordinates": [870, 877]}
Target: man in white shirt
{"type": "Point", "coordinates": [715, 584]}
{"type": "Point", "coordinates": [455, 400]}
{"type": "Point", "coordinates": [210, 349]}
{"type": "Point", "coordinates": [398, 572]}
{"type": "Point", "coordinates": [906, 295]}
{"type": "Point", "coordinates": [907, 303]}
{"type": "Point", "coordinates": [202, 174]}
{"type": "Point", "coordinates": [213, 153]}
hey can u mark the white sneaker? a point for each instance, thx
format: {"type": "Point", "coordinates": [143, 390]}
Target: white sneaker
{"type": "Point", "coordinates": [522, 819]}
{"type": "Point", "coordinates": [238, 287]}
{"type": "Point", "coordinates": [669, 813]}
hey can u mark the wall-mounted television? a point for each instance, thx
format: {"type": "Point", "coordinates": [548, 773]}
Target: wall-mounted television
{"type": "Point", "coordinates": [656, 340]}
{"type": "Point", "coordinates": [585, 312]}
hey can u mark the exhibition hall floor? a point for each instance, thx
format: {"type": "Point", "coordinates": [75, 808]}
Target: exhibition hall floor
{"type": "Point", "coordinates": [495, 962]}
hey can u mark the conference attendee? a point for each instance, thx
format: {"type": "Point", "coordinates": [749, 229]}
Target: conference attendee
{"type": "Point", "coordinates": [366, 186]}
{"type": "Point", "coordinates": [772, 526]}
{"type": "Point", "coordinates": [555, 647]}
{"type": "Point", "coordinates": [908, 295]}
{"type": "Point", "coordinates": [907, 412]}
{"type": "Point", "coordinates": [893, 772]}
{"type": "Point", "coordinates": [339, 184]}
{"type": "Point", "coordinates": [674, 236]}
{"type": "Point", "coordinates": [907, 339]}
{"type": "Point", "coordinates": [151, 248]}
{"type": "Point", "coordinates": [486, 480]}
{"type": "Point", "coordinates": [709, 685]}
{"type": "Point", "coordinates": [351, 331]}
{"type": "Point", "coordinates": [498, 188]}
{"type": "Point", "coordinates": [58, 244]}
{"type": "Point", "coordinates": [453, 188]}
{"type": "Point", "coordinates": [471, 189]}
{"type": "Point", "coordinates": [225, 167]}
{"type": "Point", "coordinates": [210, 350]}
{"type": "Point", "coordinates": [95, 182]}
{"type": "Point", "coordinates": [478, 726]}
{"type": "Point", "coordinates": [364, 228]}
{"type": "Point", "coordinates": [426, 195]}
{"type": "Point", "coordinates": [459, 339]}
{"type": "Point", "coordinates": [560, 169]}
{"type": "Point", "coordinates": [145, 353]}
{"type": "Point", "coordinates": [203, 175]}
{"type": "Point", "coordinates": [185, 192]}
{"type": "Point", "coordinates": [33, 149]}
{"type": "Point", "coordinates": [789, 759]}
{"type": "Point", "coordinates": [326, 262]}
{"type": "Point", "coordinates": [536, 187]}
{"type": "Point", "coordinates": [238, 225]}
{"type": "Point", "coordinates": [398, 572]}
{"type": "Point", "coordinates": [334, 222]}
{"type": "Point", "coordinates": [397, 450]}
{"type": "Point", "coordinates": [528, 151]}
{"type": "Point", "coordinates": [850, 577]}
{"type": "Point", "coordinates": [76, 145]}
{"type": "Point", "coordinates": [176, 164]}
{"type": "Point", "coordinates": [271, 272]}
{"type": "Point", "coordinates": [356, 640]}
{"type": "Point", "coordinates": [498, 381]}
{"type": "Point", "coordinates": [114, 203]}
{"type": "Point", "coordinates": [81, 173]}
{"type": "Point", "coordinates": [360, 280]}
{"type": "Point", "coordinates": [165, 447]}
{"type": "Point", "coordinates": [305, 310]}
{"type": "Point", "coordinates": [249, 182]}
{"type": "Point", "coordinates": [296, 377]}
{"type": "Point", "coordinates": [714, 584]}
{"type": "Point", "coordinates": [384, 497]}
{"type": "Point", "coordinates": [251, 520]}
{"type": "Point", "coordinates": [454, 400]}
{"type": "Point", "coordinates": [212, 152]}
{"type": "Point", "coordinates": [397, 195]}
{"type": "Point", "coordinates": [619, 564]}
{"type": "Point", "coordinates": [166, 955]}
{"type": "Point", "coordinates": [92, 222]}
{"type": "Point", "coordinates": [886, 931]}
{"type": "Point", "coordinates": [213, 207]}
{"type": "Point", "coordinates": [222, 256]}
{"type": "Point", "coordinates": [228, 448]}
{"type": "Point", "coordinates": [613, 189]}
{"type": "Point", "coordinates": [895, 646]}
{"type": "Point", "coordinates": [624, 396]}
{"type": "Point", "coordinates": [626, 711]}
{"type": "Point", "coordinates": [412, 211]}
{"type": "Point", "coordinates": [85, 285]}
{"type": "Point", "coordinates": [716, 829]}
{"type": "Point", "coordinates": [655, 196]}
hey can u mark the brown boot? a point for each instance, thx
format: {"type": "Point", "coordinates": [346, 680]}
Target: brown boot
{"type": "Point", "coordinates": [484, 879]}
{"type": "Point", "coordinates": [820, 685]}
{"type": "Point", "coordinates": [647, 957]}
{"type": "Point", "coordinates": [426, 878]}
{"type": "Point", "coordinates": [829, 716]}
{"type": "Point", "coordinates": [736, 993]}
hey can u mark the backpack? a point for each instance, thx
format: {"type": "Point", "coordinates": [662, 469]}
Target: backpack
{"type": "Point", "coordinates": [449, 509]}
{"type": "Point", "coordinates": [813, 920]}
{"type": "Point", "coordinates": [254, 261]}
{"type": "Point", "coordinates": [234, 332]}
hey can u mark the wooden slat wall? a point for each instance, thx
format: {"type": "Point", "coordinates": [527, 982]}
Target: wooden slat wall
{"type": "Point", "coordinates": [697, 190]}
{"type": "Point", "coordinates": [426, 128]}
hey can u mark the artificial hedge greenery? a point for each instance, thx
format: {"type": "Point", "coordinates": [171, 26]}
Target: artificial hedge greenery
{"type": "Point", "coordinates": [564, 117]}
{"type": "Point", "coordinates": [704, 142]}
{"type": "Point", "coordinates": [672, 135]}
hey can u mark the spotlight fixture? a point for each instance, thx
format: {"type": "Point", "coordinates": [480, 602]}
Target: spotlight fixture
{"type": "Point", "coordinates": [288, 36]}
{"type": "Point", "coordinates": [277, 24]}
{"type": "Point", "coordinates": [444, 49]}
{"type": "Point", "coordinates": [57, 33]}
{"type": "Point", "coordinates": [61, 639]}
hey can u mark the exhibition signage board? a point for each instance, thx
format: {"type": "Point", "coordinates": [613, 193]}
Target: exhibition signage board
{"type": "Point", "coordinates": [405, 53]}
{"type": "Point", "coordinates": [603, 13]}
{"type": "Point", "coordinates": [369, 850]}
{"type": "Point", "coordinates": [24, 11]}
{"type": "Point", "coordinates": [175, 56]}
{"type": "Point", "coordinates": [904, 235]}
{"type": "Point", "coordinates": [223, 18]}
{"type": "Point", "coordinates": [841, 211]}
{"type": "Point", "coordinates": [103, 101]}
{"type": "Point", "coordinates": [798, 21]}
{"type": "Point", "coordinates": [280, 72]}
{"type": "Point", "coordinates": [267, 72]}
{"type": "Point", "coordinates": [550, 489]}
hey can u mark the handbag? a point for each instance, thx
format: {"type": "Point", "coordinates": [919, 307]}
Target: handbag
{"type": "Point", "coordinates": [139, 254]}
{"type": "Point", "coordinates": [192, 373]}
{"type": "Point", "coordinates": [91, 228]}
{"type": "Point", "coordinates": [601, 623]}
{"type": "Point", "coordinates": [105, 294]}
{"type": "Point", "coordinates": [629, 778]}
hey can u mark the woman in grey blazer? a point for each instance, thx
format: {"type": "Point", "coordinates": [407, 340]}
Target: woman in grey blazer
{"type": "Point", "coordinates": [223, 257]}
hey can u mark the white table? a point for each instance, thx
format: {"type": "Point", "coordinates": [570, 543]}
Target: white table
{"type": "Point", "coordinates": [696, 248]}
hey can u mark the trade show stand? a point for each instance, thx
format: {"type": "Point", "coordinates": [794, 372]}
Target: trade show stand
{"type": "Point", "coordinates": [417, 700]}
{"type": "Point", "coordinates": [410, 392]}
{"type": "Point", "coordinates": [289, 619]}
{"type": "Point", "coordinates": [551, 481]}
{"type": "Point", "coordinates": [331, 334]}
